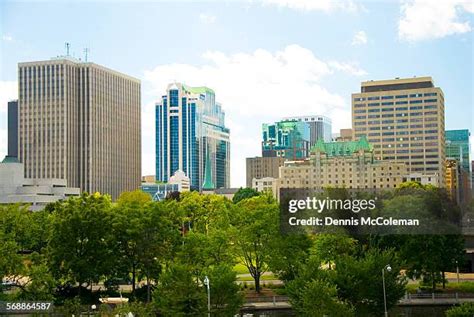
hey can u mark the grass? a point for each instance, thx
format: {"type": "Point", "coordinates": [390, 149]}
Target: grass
{"type": "Point", "coordinates": [239, 268]}
{"type": "Point", "coordinates": [462, 287]}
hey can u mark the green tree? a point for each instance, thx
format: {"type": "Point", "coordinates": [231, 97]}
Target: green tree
{"type": "Point", "coordinates": [256, 223]}
{"type": "Point", "coordinates": [38, 283]}
{"type": "Point", "coordinates": [328, 247]}
{"type": "Point", "coordinates": [11, 263]}
{"type": "Point", "coordinates": [429, 256]}
{"type": "Point", "coordinates": [206, 250]}
{"type": "Point", "coordinates": [318, 298]}
{"type": "Point", "coordinates": [287, 254]}
{"type": "Point", "coordinates": [226, 298]}
{"type": "Point", "coordinates": [143, 235]}
{"type": "Point", "coordinates": [463, 310]}
{"type": "Point", "coordinates": [313, 293]}
{"type": "Point", "coordinates": [359, 280]}
{"type": "Point", "coordinates": [179, 293]}
{"type": "Point", "coordinates": [79, 248]}
{"type": "Point", "coordinates": [244, 193]}
{"type": "Point", "coordinates": [136, 198]}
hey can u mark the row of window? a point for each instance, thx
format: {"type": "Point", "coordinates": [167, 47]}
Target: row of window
{"type": "Point", "coordinates": [429, 94]}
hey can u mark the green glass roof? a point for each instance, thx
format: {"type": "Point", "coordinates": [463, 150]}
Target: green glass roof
{"type": "Point", "coordinates": [198, 90]}
{"type": "Point", "coordinates": [342, 148]}
{"type": "Point", "coordinates": [208, 184]}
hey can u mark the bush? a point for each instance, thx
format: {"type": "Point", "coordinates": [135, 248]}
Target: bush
{"type": "Point", "coordinates": [464, 310]}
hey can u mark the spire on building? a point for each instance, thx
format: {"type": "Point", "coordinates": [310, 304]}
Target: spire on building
{"type": "Point", "coordinates": [207, 183]}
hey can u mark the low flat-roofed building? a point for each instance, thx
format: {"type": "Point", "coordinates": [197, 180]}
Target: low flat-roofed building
{"type": "Point", "coordinates": [15, 188]}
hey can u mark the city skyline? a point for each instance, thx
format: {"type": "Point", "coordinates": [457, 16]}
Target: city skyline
{"type": "Point", "coordinates": [258, 76]}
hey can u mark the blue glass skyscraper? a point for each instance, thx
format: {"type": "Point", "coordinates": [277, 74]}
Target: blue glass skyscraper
{"type": "Point", "coordinates": [189, 124]}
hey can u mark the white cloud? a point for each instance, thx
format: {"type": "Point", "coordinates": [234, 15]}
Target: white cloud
{"type": "Point", "coordinates": [428, 19]}
{"type": "Point", "coordinates": [360, 38]}
{"type": "Point", "coordinates": [8, 91]}
{"type": "Point", "coordinates": [7, 37]}
{"type": "Point", "coordinates": [351, 68]}
{"type": "Point", "coordinates": [314, 5]}
{"type": "Point", "coordinates": [207, 18]}
{"type": "Point", "coordinates": [254, 88]}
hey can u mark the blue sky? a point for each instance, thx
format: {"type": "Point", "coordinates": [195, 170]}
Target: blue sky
{"type": "Point", "coordinates": [264, 58]}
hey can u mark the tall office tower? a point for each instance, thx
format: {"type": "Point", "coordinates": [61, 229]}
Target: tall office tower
{"type": "Point", "coordinates": [13, 128]}
{"type": "Point", "coordinates": [287, 138]}
{"type": "Point", "coordinates": [404, 120]}
{"type": "Point", "coordinates": [458, 150]}
{"type": "Point", "coordinates": [189, 126]}
{"type": "Point", "coordinates": [80, 121]}
{"type": "Point", "coordinates": [319, 127]}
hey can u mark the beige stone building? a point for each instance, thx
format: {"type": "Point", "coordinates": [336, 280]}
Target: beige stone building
{"type": "Point", "coordinates": [79, 121]}
{"type": "Point", "coordinates": [348, 164]}
{"type": "Point", "coordinates": [345, 135]}
{"type": "Point", "coordinates": [265, 184]}
{"type": "Point", "coordinates": [404, 120]}
{"type": "Point", "coordinates": [260, 167]}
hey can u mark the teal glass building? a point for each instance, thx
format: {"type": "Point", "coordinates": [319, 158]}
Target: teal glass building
{"type": "Point", "coordinates": [288, 138]}
{"type": "Point", "coordinates": [458, 147]}
{"type": "Point", "coordinates": [189, 126]}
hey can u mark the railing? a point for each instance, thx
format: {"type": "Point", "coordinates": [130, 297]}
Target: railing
{"type": "Point", "coordinates": [267, 299]}
{"type": "Point", "coordinates": [436, 296]}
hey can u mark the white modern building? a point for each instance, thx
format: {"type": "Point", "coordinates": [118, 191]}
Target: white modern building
{"type": "Point", "coordinates": [15, 188]}
{"type": "Point", "coordinates": [179, 182]}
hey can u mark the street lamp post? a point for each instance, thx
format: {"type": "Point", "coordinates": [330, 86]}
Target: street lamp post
{"type": "Point", "coordinates": [389, 269]}
{"type": "Point", "coordinates": [208, 285]}
{"type": "Point", "coordinates": [457, 270]}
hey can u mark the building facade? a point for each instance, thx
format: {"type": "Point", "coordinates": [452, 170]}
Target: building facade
{"type": "Point", "coordinates": [289, 139]}
{"type": "Point", "coordinates": [404, 120]}
{"type": "Point", "coordinates": [320, 127]}
{"type": "Point", "coordinates": [80, 121]}
{"type": "Point", "coordinates": [453, 181]}
{"type": "Point", "coordinates": [262, 167]}
{"type": "Point", "coordinates": [458, 147]}
{"type": "Point", "coordinates": [265, 184]}
{"type": "Point", "coordinates": [458, 150]}
{"type": "Point", "coordinates": [13, 128]}
{"type": "Point", "coordinates": [179, 182]}
{"type": "Point", "coordinates": [15, 188]}
{"type": "Point", "coordinates": [341, 164]}
{"type": "Point", "coordinates": [344, 135]}
{"type": "Point", "coordinates": [190, 125]}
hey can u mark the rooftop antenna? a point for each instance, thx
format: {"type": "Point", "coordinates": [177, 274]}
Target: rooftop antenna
{"type": "Point", "coordinates": [67, 48]}
{"type": "Point", "coordinates": [86, 53]}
